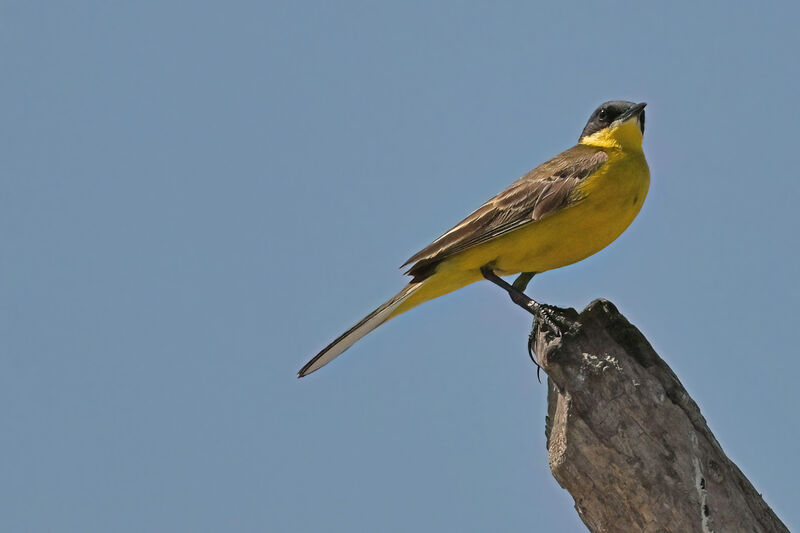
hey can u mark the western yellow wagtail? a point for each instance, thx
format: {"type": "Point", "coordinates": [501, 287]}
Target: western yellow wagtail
{"type": "Point", "coordinates": [557, 214]}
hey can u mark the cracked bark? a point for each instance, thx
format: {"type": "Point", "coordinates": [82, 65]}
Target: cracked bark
{"type": "Point", "coordinates": [627, 441]}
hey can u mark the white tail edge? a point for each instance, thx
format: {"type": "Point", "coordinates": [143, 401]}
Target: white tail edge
{"type": "Point", "coordinates": [349, 337]}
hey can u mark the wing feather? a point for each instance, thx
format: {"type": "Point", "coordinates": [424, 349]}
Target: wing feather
{"type": "Point", "coordinates": [543, 191]}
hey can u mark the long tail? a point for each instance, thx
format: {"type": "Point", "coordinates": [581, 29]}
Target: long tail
{"type": "Point", "coordinates": [367, 324]}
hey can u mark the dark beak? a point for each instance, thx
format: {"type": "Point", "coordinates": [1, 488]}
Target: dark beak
{"type": "Point", "coordinates": [631, 112]}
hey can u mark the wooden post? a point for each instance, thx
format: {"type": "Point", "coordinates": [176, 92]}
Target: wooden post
{"type": "Point", "coordinates": [627, 441]}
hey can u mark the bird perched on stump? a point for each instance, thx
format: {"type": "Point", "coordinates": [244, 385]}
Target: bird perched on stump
{"type": "Point", "coordinates": [559, 213]}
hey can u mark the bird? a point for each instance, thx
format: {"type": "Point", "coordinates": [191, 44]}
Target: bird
{"type": "Point", "coordinates": [559, 213]}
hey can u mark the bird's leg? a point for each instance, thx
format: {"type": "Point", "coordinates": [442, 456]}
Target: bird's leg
{"type": "Point", "coordinates": [542, 312]}
{"type": "Point", "coordinates": [521, 283]}
{"type": "Point", "coordinates": [521, 299]}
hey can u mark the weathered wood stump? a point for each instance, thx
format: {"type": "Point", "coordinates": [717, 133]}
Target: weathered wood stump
{"type": "Point", "coordinates": [627, 441]}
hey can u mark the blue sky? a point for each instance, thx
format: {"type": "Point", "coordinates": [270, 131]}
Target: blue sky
{"type": "Point", "coordinates": [197, 197]}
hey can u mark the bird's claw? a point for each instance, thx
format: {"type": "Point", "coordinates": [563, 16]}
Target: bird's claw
{"type": "Point", "coordinates": [550, 318]}
{"type": "Point", "coordinates": [532, 352]}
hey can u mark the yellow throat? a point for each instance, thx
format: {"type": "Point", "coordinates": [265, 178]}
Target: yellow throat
{"type": "Point", "coordinates": [625, 136]}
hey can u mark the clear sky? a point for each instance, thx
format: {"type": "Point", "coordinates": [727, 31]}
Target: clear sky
{"type": "Point", "coordinates": [196, 197]}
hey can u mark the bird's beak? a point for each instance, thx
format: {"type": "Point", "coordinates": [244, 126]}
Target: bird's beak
{"type": "Point", "coordinates": [632, 112]}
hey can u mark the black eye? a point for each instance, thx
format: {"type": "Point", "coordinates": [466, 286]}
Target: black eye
{"type": "Point", "coordinates": [602, 114]}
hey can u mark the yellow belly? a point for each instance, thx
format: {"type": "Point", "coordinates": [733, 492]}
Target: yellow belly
{"type": "Point", "coordinates": [612, 197]}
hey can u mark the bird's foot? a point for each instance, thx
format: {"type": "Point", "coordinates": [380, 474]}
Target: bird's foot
{"type": "Point", "coordinates": [546, 314]}
{"type": "Point", "coordinates": [550, 318]}
{"type": "Point", "coordinates": [557, 321]}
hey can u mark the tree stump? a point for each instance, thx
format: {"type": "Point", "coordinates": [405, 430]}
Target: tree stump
{"type": "Point", "coordinates": [627, 441]}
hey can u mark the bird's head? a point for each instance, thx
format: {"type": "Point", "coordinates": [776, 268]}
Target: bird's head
{"type": "Point", "coordinates": [615, 124]}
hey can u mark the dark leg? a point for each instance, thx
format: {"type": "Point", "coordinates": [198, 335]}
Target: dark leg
{"type": "Point", "coordinates": [515, 291]}
{"type": "Point", "coordinates": [519, 297]}
{"type": "Point", "coordinates": [521, 283]}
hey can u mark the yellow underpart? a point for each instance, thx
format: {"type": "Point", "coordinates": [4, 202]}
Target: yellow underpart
{"type": "Point", "coordinates": [610, 200]}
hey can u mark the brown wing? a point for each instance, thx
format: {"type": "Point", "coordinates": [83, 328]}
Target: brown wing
{"type": "Point", "coordinates": [544, 190]}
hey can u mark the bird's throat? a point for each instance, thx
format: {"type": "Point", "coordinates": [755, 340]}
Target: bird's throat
{"type": "Point", "coordinates": [627, 136]}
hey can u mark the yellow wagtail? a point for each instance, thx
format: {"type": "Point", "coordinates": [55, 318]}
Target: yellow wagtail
{"type": "Point", "coordinates": [559, 213]}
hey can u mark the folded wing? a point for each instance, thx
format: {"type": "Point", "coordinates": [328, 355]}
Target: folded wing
{"type": "Point", "coordinates": [543, 191]}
